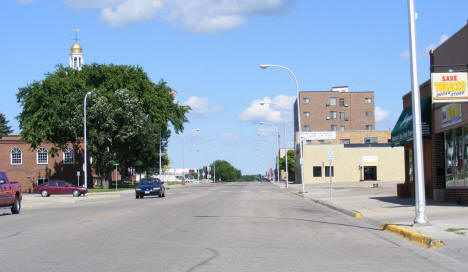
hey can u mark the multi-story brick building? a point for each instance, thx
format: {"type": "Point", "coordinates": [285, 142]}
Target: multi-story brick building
{"type": "Point", "coordinates": [335, 110]}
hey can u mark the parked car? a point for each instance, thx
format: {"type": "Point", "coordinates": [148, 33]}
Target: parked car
{"type": "Point", "coordinates": [53, 187]}
{"type": "Point", "coordinates": [10, 194]}
{"type": "Point", "coordinates": [150, 186]}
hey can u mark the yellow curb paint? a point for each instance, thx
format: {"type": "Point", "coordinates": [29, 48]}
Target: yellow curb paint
{"type": "Point", "coordinates": [414, 236]}
{"type": "Point", "coordinates": [99, 218]}
{"type": "Point", "coordinates": [358, 215]}
{"type": "Point", "coordinates": [28, 207]}
{"type": "Point", "coordinates": [116, 196]}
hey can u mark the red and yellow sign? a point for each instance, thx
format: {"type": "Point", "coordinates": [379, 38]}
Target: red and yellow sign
{"type": "Point", "coordinates": [449, 87]}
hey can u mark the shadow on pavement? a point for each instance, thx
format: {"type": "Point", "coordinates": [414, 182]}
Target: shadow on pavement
{"type": "Point", "coordinates": [295, 219]}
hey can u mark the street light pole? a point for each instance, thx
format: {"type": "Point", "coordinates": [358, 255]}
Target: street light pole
{"type": "Point", "coordinates": [278, 148]}
{"type": "Point", "coordinates": [85, 165]}
{"type": "Point", "coordinates": [160, 159]}
{"type": "Point", "coordinates": [417, 132]}
{"type": "Point", "coordinates": [301, 160]}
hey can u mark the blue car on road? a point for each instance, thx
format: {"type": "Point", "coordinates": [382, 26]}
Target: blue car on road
{"type": "Point", "coordinates": [150, 186]}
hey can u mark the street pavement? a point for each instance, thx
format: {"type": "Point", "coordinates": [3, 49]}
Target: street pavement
{"type": "Point", "coordinates": [379, 204]}
{"type": "Point", "coordinates": [210, 227]}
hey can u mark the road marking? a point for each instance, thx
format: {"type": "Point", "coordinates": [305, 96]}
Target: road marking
{"type": "Point", "coordinates": [115, 196]}
{"type": "Point", "coordinates": [186, 192]}
{"type": "Point", "coordinates": [99, 217]}
{"type": "Point", "coordinates": [265, 191]}
{"type": "Point", "coordinates": [246, 191]}
{"type": "Point", "coordinates": [226, 191]}
{"type": "Point", "coordinates": [168, 193]}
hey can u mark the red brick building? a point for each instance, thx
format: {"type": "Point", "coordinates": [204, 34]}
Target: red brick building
{"type": "Point", "coordinates": [27, 166]}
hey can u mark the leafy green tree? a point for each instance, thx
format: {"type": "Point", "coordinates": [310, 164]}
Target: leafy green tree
{"type": "Point", "coordinates": [291, 171]}
{"type": "Point", "coordinates": [127, 114]}
{"type": "Point", "coordinates": [225, 171]}
{"type": "Point", "coordinates": [250, 177]}
{"type": "Point", "coordinates": [5, 129]}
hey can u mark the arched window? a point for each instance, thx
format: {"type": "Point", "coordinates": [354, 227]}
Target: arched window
{"type": "Point", "coordinates": [74, 63]}
{"type": "Point", "coordinates": [16, 156]}
{"type": "Point", "coordinates": [79, 61]}
{"type": "Point", "coordinates": [68, 155]}
{"type": "Point", "coordinates": [42, 155]}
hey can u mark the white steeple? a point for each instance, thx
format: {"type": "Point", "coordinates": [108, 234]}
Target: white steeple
{"type": "Point", "coordinates": [76, 53]}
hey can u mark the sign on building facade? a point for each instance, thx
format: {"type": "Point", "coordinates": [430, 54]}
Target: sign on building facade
{"type": "Point", "coordinates": [318, 135]}
{"type": "Point", "coordinates": [449, 87]}
{"type": "Point", "coordinates": [451, 115]}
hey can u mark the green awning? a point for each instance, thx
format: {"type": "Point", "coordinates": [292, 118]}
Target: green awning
{"type": "Point", "coordinates": [402, 133]}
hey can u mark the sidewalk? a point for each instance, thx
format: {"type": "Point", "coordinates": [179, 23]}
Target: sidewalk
{"type": "Point", "coordinates": [380, 205]}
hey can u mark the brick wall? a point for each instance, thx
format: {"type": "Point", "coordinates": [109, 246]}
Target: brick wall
{"type": "Point", "coordinates": [319, 109]}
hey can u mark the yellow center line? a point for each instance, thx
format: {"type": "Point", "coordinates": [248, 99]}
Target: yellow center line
{"type": "Point", "coordinates": [99, 217]}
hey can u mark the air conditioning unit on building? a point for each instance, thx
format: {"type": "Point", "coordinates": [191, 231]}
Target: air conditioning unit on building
{"type": "Point", "coordinates": [328, 117]}
{"type": "Point", "coordinates": [346, 105]}
{"type": "Point", "coordinates": [346, 119]}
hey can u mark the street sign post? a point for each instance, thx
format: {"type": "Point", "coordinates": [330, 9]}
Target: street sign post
{"type": "Point", "coordinates": [78, 177]}
{"type": "Point", "coordinates": [116, 175]}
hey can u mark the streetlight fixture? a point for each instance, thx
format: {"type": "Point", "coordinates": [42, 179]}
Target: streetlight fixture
{"type": "Point", "coordinates": [85, 164]}
{"type": "Point", "coordinates": [301, 160]}
{"type": "Point", "coordinates": [278, 145]}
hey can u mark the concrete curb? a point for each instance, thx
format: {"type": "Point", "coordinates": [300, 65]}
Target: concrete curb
{"type": "Point", "coordinates": [330, 205]}
{"type": "Point", "coordinates": [414, 236]}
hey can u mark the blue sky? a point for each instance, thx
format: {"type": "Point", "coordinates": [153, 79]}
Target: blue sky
{"type": "Point", "coordinates": [209, 51]}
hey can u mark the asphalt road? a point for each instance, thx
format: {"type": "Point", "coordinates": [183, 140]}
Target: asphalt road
{"type": "Point", "coordinates": [222, 227]}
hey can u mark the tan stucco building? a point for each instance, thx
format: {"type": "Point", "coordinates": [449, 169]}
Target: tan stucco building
{"type": "Point", "coordinates": [353, 163]}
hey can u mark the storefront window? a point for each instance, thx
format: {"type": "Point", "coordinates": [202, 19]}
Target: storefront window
{"type": "Point", "coordinates": [456, 157]}
{"type": "Point", "coordinates": [410, 165]}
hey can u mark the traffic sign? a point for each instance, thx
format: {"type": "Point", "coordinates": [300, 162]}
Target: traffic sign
{"type": "Point", "coordinates": [116, 164]}
{"type": "Point", "coordinates": [330, 155]}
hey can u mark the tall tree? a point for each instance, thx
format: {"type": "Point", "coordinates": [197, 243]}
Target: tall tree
{"type": "Point", "coordinates": [128, 114]}
{"type": "Point", "coordinates": [225, 171]}
{"type": "Point", "coordinates": [5, 129]}
{"type": "Point", "coordinates": [291, 169]}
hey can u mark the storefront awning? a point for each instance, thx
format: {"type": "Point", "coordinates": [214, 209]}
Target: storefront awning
{"type": "Point", "coordinates": [402, 133]}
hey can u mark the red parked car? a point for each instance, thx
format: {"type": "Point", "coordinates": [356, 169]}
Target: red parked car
{"type": "Point", "coordinates": [53, 187]}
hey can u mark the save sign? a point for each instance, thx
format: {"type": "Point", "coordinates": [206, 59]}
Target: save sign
{"type": "Point", "coordinates": [449, 87]}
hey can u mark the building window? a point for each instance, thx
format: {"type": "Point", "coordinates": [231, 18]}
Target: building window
{"type": "Point", "coordinates": [317, 171]}
{"type": "Point", "coordinates": [368, 113]}
{"type": "Point", "coordinates": [371, 140]}
{"type": "Point", "coordinates": [308, 142]}
{"type": "Point", "coordinates": [333, 114]}
{"type": "Point", "coordinates": [306, 114]}
{"type": "Point", "coordinates": [75, 65]}
{"type": "Point", "coordinates": [69, 156]}
{"type": "Point", "coordinates": [342, 128]}
{"type": "Point", "coordinates": [306, 128]}
{"type": "Point", "coordinates": [368, 127]}
{"type": "Point", "coordinates": [341, 115]}
{"type": "Point", "coordinates": [333, 127]}
{"type": "Point", "coordinates": [368, 100]}
{"type": "Point", "coordinates": [306, 100]}
{"type": "Point", "coordinates": [342, 102]}
{"type": "Point", "coordinates": [16, 156]}
{"type": "Point", "coordinates": [333, 101]}
{"type": "Point", "coordinates": [321, 141]}
{"type": "Point", "coordinates": [327, 171]}
{"type": "Point", "coordinates": [42, 155]}
{"type": "Point", "coordinates": [345, 141]}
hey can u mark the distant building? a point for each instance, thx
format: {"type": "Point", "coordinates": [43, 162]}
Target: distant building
{"type": "Point", "coordinates": [335, 110]}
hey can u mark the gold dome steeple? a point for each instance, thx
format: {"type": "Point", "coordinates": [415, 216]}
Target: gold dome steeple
{"type": "Point", "coordinates": [76, 48]}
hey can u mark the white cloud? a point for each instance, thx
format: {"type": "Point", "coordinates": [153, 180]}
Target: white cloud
{"type": "Point", "coordinates": [381, 114]}
{"type": "Point", "coordinates": [201, 107]}
{"type": "Point", "coordinates": [404, 55]}
{"type": "Point", "coordinates": [229, 137]}
{"type": "Point", "coordinates": [276, 110]}
{"type": "Point", "coordinates": [201, 16]}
